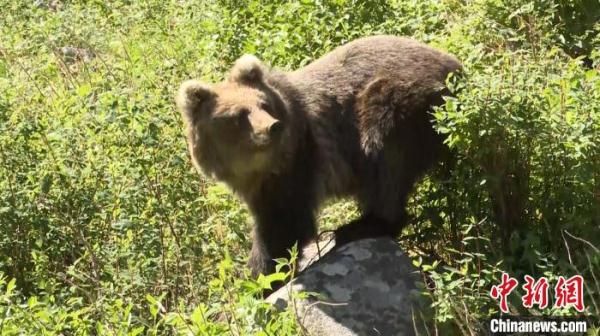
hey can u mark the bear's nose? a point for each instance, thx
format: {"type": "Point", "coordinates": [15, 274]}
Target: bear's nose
{"type": "Point", "coordinates": [276, 128]}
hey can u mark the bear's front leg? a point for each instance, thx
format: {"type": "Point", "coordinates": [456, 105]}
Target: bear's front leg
{"type": "Point", "coordinates": [269, 245]}
{"type": "Point", "coordinates": [278, 227]}
{"type": "Point", "coordinates": [260, 261]}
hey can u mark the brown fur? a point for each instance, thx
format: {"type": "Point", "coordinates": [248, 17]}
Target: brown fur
{"type": "Point", "coordinates": [355, 123]}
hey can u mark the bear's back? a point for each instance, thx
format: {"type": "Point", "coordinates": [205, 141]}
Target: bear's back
{"type": "Point", "coordinates": [345, 70]}
{"type": "Point", "coordinates": [331, 88]}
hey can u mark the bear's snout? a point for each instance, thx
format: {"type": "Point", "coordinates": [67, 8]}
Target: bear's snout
{"type": "Point", "coordinates": [269, 135]}
{"type": "Point", "coordinates": [275, 129]}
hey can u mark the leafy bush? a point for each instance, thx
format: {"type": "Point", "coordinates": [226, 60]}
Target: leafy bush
{"type": "Point", "coordinates": [108, 230]}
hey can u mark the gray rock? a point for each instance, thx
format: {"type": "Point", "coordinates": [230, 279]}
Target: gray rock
{"type": "Point", "coordinates": [368, 287]}
{"type": "Point", "coordinates": [53, 5]}
{"type": "Point", "coordinates": [72, 54]}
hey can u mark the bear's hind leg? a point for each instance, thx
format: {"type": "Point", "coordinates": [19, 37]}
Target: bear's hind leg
{"type": "Point", "coordinates": [369, 226]}
{"type": "Point", "coordinates": [388, 179]}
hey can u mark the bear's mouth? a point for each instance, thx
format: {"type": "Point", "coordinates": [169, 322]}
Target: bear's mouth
{"type": "Point", "coordinates": [262, 143]}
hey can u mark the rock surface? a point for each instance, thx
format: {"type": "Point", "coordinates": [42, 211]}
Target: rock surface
{"type": "Point", "coordinates": [368, 287]}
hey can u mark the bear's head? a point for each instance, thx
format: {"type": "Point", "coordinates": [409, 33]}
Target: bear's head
{"type": "Point", "coordinates": [237, 130]}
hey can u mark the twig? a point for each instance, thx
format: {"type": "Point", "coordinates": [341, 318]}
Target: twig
{"type": "Point", "coordinates": [562, 233]}
{"type": "Point", "coordinates": [582, 240]}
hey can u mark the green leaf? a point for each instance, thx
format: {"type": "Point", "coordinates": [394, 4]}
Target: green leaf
{"type": "Point", "coordinates": [12, 284]}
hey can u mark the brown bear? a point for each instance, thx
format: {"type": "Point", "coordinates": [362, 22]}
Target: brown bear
{"type": "Point", "coordinates": [356, 122]}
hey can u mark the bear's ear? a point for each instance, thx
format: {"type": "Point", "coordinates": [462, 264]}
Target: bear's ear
{"type": "Point", "coordinates": [192, 97]}
{"type": "Point", "coordinates": [247, 69]}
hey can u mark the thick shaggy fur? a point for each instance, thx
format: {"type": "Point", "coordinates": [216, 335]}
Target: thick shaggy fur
{"type": "Point", "coordinates": [355, 123]}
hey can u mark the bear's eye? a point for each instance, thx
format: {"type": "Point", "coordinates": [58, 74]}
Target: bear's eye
{"type": "Point", "coordinates": [229, 115]}
{"type": "Point", "coordinates": [239, 116]}
{"type": "Point", "coordinates": [241, 113]}
{"type": "Point", "coordinates": [265, 107]}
